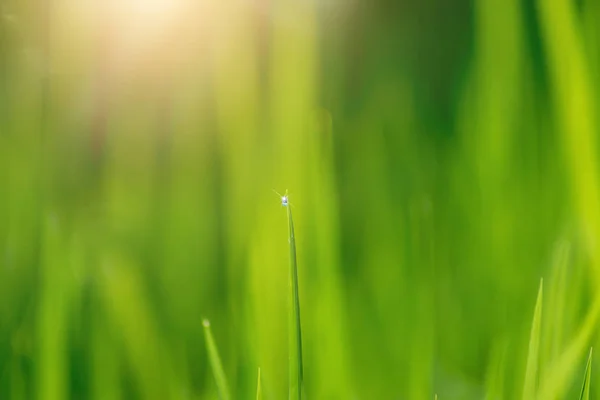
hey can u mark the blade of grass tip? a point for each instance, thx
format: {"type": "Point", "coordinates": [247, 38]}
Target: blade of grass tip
{"type": "Point", "coordinates": [585, 388]}
{"type": "Point", "coordinates": [531, 370]}
{"type": "Point", "coordinates": [294, 329]}
{"type": "Point", "coordinates": [215, 362]}
{"type": "Point", "coordinates": [258, 388]}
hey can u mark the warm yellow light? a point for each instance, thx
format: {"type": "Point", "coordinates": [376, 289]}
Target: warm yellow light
{"type": "Point", "coordinates": [151, 16]}
{"type": "Point", "coordinates": [150, 7]}
{"type": "Point", "coordinates": [148, 37]}
{"type": "Point", "coordinates": [137, 46]}
{"type": "Point", "coordinates": [141, 23]}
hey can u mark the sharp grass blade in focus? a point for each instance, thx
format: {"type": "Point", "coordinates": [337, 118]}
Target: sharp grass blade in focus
{"type": "Point", "coordinates": [531, 371]}
{"type": "Point", "coordinates": [585, 388]}
{"type": "Point", "coordinates": [294, 329]}
{"type": "Point", "coordinates": [215, 362]}
{"type": "Point", "coordinates": [258, 388]}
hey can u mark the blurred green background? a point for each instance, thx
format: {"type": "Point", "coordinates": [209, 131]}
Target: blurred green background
{"type": "Point", "coordinates": [440, 156]}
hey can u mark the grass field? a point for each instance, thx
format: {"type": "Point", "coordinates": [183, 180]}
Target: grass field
{"type": "Point", "coordinates": [442, 170]}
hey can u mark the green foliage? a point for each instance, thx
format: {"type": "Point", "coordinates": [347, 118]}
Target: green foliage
{"type": "Point", "coordinates": [494, 381]}
{"type": "Point", "coordinates": [258, 387]}
{"type": "Point", "coordinates": [215, 363]}
{"type": "Point", "coordinates": [531, 371]}
{"type": "Point", "coordinates": [437, 168]}
{"type": "Point", "coordinates": [294, 329]}
{"type": "Point", "coordinates": [585, 388]}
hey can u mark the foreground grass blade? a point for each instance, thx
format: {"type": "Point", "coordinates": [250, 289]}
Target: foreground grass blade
{"type": "Point", "coordinates": [294, 330]}
{"type": "Point", "coordinates": [561, 372]}
{"type": "Point", "coordinates": [531, 370]}
{"type": "Point", "coordinates": [585, 389]}
{"type": "Point", "coordinates": [215, 362]}
{"type": "Point", "coordinates": [258, 388]}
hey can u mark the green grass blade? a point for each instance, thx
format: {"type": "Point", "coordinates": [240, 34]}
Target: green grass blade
{"type": "Point", "coordinates": [294, 330]}
{"type": "Point", "coordinates": [556, 323]}
{"type": "Point", "coordinates": [585, 388]}
{"type": "Point", "coordinates": [560, 374]}
{"type": "Point", "coordinates": [494, 380]}
{"type": "Point", "coordinates": [215, 362]}
{"type": "Point", "coordinates": [531, 371]}
{"type": "Point", "coordinates": [258, 388]}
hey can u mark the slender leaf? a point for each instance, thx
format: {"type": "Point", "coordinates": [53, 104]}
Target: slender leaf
{"type": "Point", "coordinates": [561, 372]}
{"type": "Point", "coordinates": [258, 387]}
{"type": "Point", "coordinates": [215, 362]}
{"type": "Point", "coordinates": [494, 381]}
{"type": "Point", "coordinates": [531, 371]}
{"type": "Point", "coordinates": [585, 388]}
{"type": "Point", "coordinates": [294, 329]}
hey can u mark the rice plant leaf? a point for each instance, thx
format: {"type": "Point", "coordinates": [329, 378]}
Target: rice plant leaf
{"type": "Point", "coordinates": [258, 388]}
{"type": "Point", "coordinates": [585, 388]}
{"type": "Point", "coordinates": [294, 329]}
{"type": "Point", "coordinates": [531, 371]}
{"type": "Point", "coordinates": [215, 362]}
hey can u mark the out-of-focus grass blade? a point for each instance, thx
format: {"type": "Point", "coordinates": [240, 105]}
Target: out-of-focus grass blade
{"type": "Point", "coordinates": [294, 329]}
{"type": "Point", "coordinates": [561, 373]}
{"type": "Point", "coordinates": [494, 381]}
{"type": "Point", "coordinates": [125, 300]}
{"type": "Point", "coordinates": [52, 363]}
{"type": "Point", "coordinates": [105, 382]}
{"type": "Point", "coordinates": [215, 362]}
{"type": "Point", "coordinates": [576, 104]}
{"type": "Point", "coordinates": [258, 388]}
{"type": "Point", "coordinates": [531, 370]}
{"type": "Point", "coordinates": [585, 389]}
{"type": "Point", "coordinates": [556, 322]}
